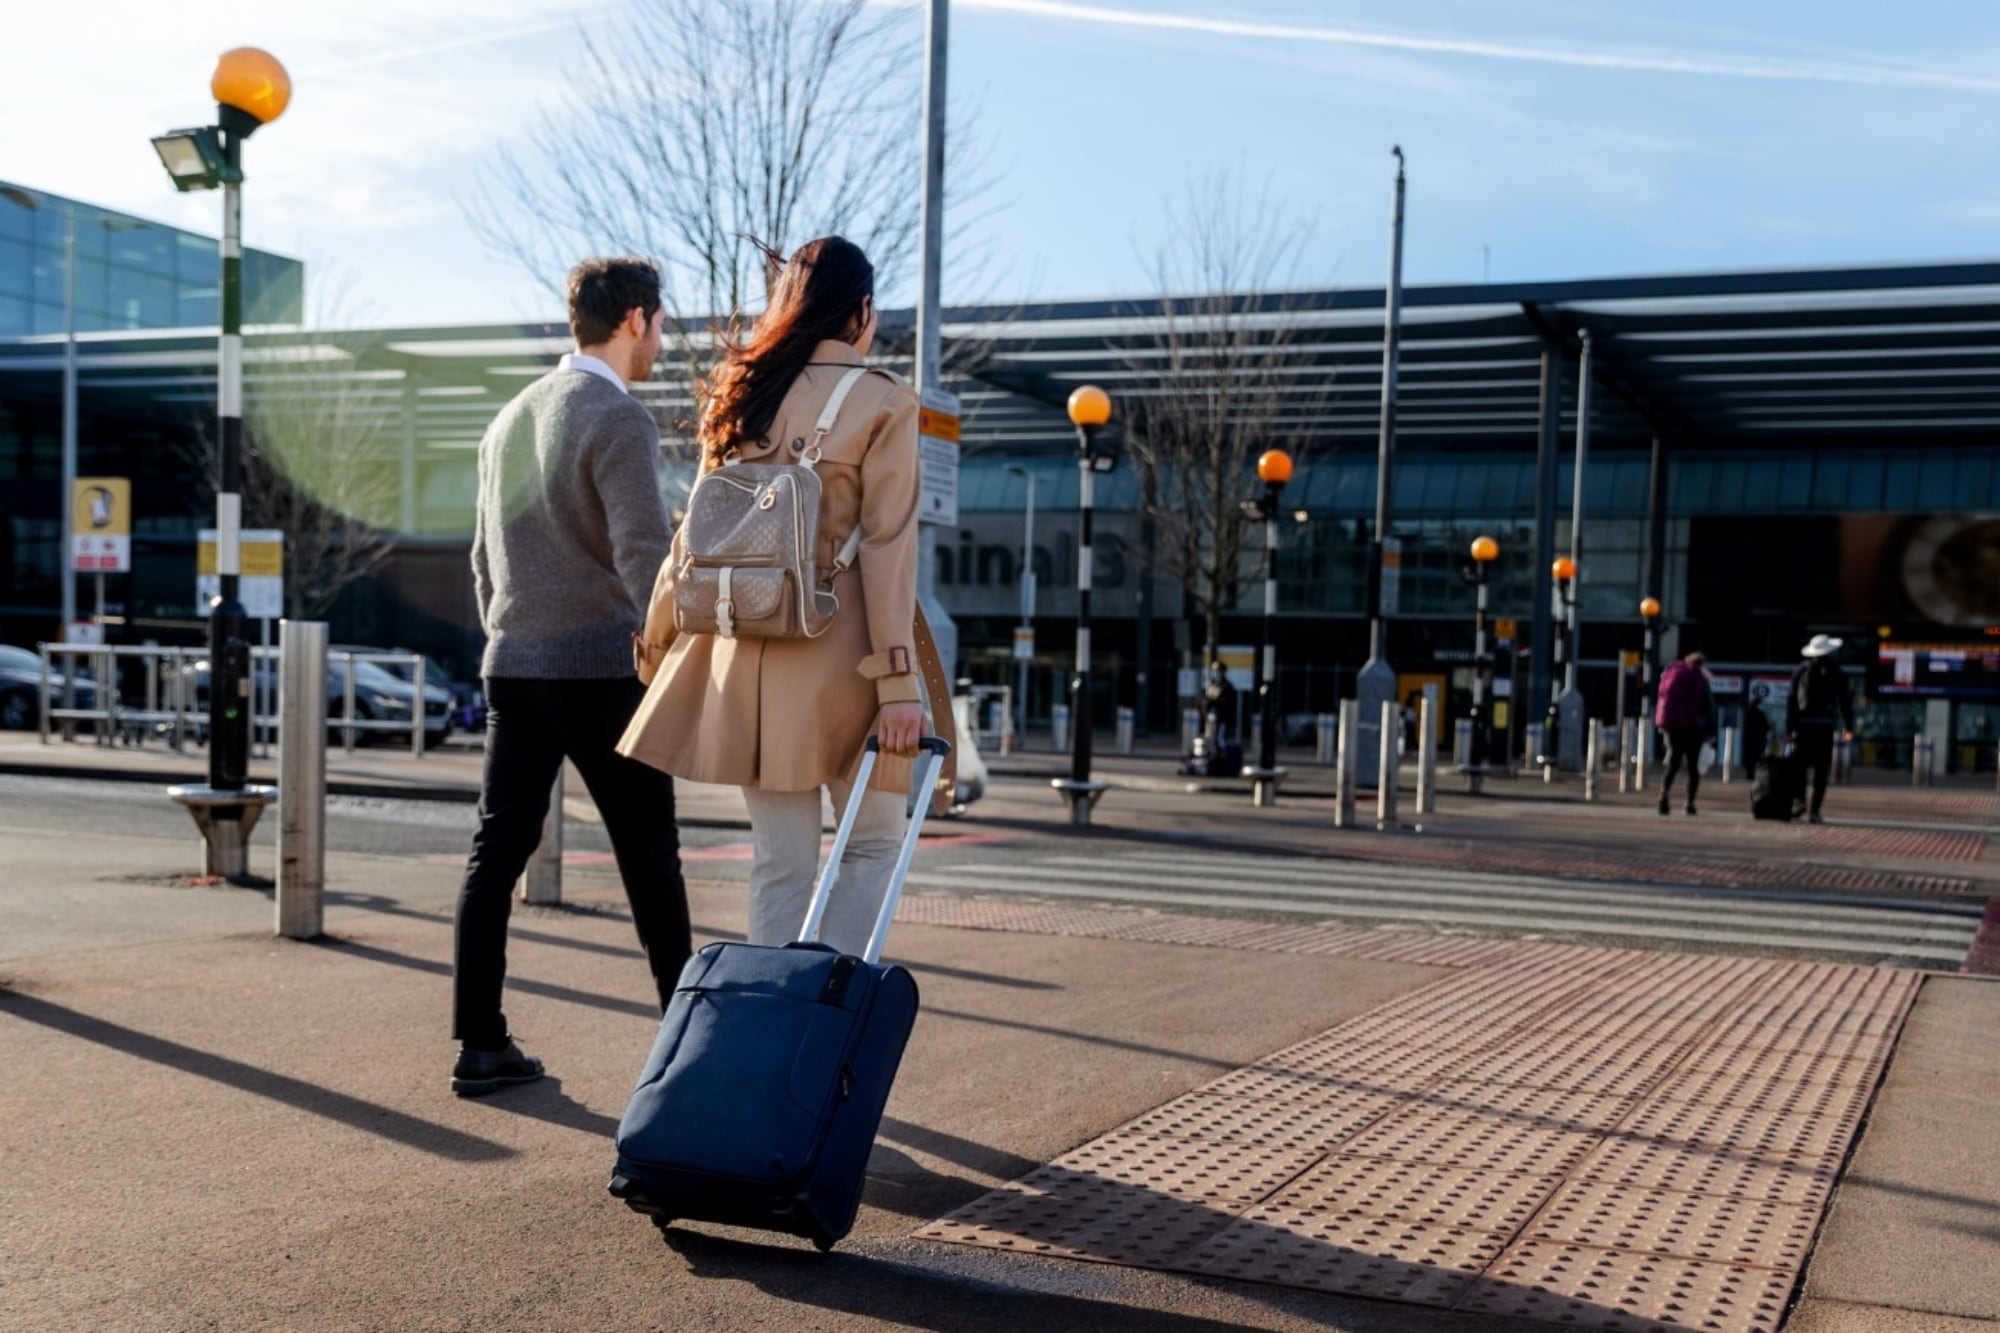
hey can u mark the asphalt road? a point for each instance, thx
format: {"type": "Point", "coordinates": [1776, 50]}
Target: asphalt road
{"type": "Point", "coordinates": [973, 857]}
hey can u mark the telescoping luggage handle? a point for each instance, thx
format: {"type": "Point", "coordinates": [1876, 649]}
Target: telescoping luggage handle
{"type": "Point", "coordinates": [935, 750]}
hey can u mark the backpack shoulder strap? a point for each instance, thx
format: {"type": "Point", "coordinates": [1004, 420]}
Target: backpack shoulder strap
{"type": "Point", "coordinates": [831, 412]}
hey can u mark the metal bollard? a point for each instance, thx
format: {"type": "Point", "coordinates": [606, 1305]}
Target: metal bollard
{"type": "Point", "coordinates": [1427, 753]}
{"type": "Point", "coordinates": [541, 882]}
{"type": "Point", "coordinates": [1843, 760]}
{"type": "Point", "coordinates": [1348, 737]}
{"type": "Point", "coordinates": [1538, 736]}
{"type": "Point", "coordinates": [347, 697]}
{"type": "Point", "coordinates": [1190, 728]}
{"type": "Point", "coordinates": [1124, 733]}
{"type": "Point", "coordinates": [1642, 754]}
{"type": "Point", "coordinates": [1625, 755]}
{"type": "Point", "coordinates": [419, 714]}
{"type": "Point", "coordinates": [1461, 743]}
{"type": "Point", "coordinates": [1920, 761]}
{"type": "Point", "coordinates": [1385, 786]}
{"type": "Point", "coordinates": [1726, 759]}
{"type": "Point", "coordinates": [1256, 741]}
{"type": "Point", "coordinates": [1059, 727]}
{"type": "Point", "coordinates": [1327, 733]}
{"type": "Point", "coordinates": [1593, 759]}
{"type": "Point", "coordinates": [301, 896]}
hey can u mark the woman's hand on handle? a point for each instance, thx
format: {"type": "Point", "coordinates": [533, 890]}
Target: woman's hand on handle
{"type": "Point", "coordinates": [899, 727]}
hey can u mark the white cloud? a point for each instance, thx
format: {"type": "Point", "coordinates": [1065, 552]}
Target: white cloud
{"type": "Point", "coordinates": [392, 103]}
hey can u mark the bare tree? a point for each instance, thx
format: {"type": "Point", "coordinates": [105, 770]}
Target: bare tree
{"type": "Point", "coordinates": [320, 465]}
{"type": "Point", "coordinates": [1224, 380]}
{"type": "Point", "coordinates": [320, 452]}
{"type": "Point", "coordinates": [693, 124]}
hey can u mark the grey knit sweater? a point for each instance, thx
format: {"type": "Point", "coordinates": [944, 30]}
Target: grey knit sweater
{"type": "Point", "coordinates": [571, 529]}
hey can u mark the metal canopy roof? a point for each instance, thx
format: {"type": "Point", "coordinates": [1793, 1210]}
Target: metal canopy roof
{"type": "Point", "coordinates": [1890, 354]}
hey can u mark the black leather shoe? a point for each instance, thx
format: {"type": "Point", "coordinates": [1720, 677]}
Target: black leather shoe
{"type": "Point", "coordinates": [480, 1072]}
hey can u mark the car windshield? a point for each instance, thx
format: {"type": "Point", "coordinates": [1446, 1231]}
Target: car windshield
{"type": "Point", "coordinates": [368, 675]}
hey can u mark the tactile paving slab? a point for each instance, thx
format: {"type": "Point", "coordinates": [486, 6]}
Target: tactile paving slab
{"type": "Point", "coordinates": [1600, 1138]}
{"type": "Point", "coordinates": [1622, 1290]}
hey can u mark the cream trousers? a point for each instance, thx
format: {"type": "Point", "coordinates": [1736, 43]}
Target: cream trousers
{"type": "Point", "coordinates": [784, 864]}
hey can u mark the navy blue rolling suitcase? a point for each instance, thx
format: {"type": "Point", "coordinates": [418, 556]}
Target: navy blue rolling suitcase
{"type": "Point", "coordinates": [759, 1104]}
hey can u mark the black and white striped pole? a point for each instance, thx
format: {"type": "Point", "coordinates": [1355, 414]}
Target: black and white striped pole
{"type": "Point", "coordinates": [1089, 410]}
{"type": "Point", "coordinates": [1274, 469]}
{"type": "Point", "coordinates": [251, 89]}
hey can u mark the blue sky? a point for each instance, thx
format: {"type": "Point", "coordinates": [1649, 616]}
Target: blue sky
{"type": "Point", "coordinates": [1545, 139]}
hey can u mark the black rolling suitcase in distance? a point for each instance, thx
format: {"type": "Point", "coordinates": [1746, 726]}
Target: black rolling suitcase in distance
{"type": "Point", "coordinates": [759, 1104]}
{"type": "Point", "coordinates": [1778, 790]}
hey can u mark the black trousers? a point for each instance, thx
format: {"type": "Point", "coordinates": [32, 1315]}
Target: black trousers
{"type": "Point", "coordinates": [1813, 744]}
{"type": "Point", "coordinates": [1683, 745]}
{"type": "Point", "coordinates": [531, 726]}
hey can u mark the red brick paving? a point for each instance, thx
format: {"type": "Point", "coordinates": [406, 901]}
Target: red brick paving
{"type": "Point", "coordinates": [1983, 958]}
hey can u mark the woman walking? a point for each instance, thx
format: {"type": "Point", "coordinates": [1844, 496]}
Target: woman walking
{"type": "Point", "coordinates": [1686, 713]}
{"type": "Point", "coordinates": [785, 718]}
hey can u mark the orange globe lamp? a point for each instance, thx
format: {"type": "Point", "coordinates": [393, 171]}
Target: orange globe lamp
{"type": "Point", "coordinates": [253, 82]}
{"type": "Point", "coordinates": [1650, 607]}
{"type": "Point", "coordinates": [1274, 467]}
{"type": "Point", "coordinates": [1485, 550]}
{"type": "Point", "coordinates": [1564, 568]}
{"type": "Point", "coordinates": [1089, 406]}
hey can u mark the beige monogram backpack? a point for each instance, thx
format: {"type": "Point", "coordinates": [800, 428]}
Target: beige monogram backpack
{"type": "Point", "coordinates": [747, 567]}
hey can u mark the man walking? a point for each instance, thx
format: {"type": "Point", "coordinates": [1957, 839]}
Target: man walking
{"type": "Point", "coordinates": [1820, 702]}
{"type": "Point", "coordinates": [570, 533]}
{"type": "Point", "coordinates": [1686, 713]}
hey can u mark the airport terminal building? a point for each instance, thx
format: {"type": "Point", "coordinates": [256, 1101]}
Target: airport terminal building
{"type": "Point", "coordinates": [1771, 454]}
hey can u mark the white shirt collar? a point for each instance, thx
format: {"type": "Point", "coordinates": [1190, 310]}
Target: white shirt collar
{"type": "Point", "coordinates": [581, 361]}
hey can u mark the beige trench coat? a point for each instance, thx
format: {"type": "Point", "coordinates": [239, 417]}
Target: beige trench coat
{"type": "Point", "coordinates": [793, 714]}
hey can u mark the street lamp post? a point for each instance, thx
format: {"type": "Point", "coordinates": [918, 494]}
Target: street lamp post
{"type": "Point", "coordinates": [1089, 410]}
{"type": "Point", "coordinates": [1649, 611]}
{"type": "Point", "coordinates": [1375, 683]}
{"type": "Point", "coordinates": [1565, 721]}
{"type": "Point", "coordinates": [1027, 598]}
{"type": "Point", "coordinates": [251, 89]}
{"type": "Point", "coordinates": [1484, 552]}
{"type": "Point", "coordinates": [1274, 469]}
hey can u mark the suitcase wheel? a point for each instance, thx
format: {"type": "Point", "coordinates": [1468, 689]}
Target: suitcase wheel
{"type": "Point", "coordinates": [823, 1242]}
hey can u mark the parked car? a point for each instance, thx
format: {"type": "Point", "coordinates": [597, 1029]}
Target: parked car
{"type": "Point", "coordinates": [21, 688]}
{"type": "Point", "coordinates": [468, 703]}
{"type": "Point", "coordinates": [378, 697]}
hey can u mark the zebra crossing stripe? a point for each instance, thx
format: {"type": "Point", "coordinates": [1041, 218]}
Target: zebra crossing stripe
{"type": "Point", "coordinates": [1348, 879]}
{"type": "Point", "coordinates": [1940, 945]}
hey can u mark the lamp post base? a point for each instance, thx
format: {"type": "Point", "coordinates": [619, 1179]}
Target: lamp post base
{"type": "Point", "coordinates": [226, 819]}
{"type": "Point", "coordinates": [1081, 796]}
{"type": "Point", "coordinates": [1264, 784]}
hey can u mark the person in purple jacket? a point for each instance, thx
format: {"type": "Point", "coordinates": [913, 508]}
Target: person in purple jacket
{"type": "Point", "coordinates": [1685, 711]}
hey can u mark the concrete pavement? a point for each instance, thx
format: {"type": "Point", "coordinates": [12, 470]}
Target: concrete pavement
{"type": "Point", "coordinates": [206, 1127]}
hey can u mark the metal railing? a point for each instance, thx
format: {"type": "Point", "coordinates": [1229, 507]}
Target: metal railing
{"type": "Point", "coordinates": [169, 702]}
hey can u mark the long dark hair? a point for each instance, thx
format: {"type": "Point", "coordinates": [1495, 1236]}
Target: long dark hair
{"type": "Point", "coordinates": [817, 296]}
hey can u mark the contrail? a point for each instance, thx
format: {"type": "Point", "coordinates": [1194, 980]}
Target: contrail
{"type": "Point", "coordinates": [470, 41]}
{"type": "Point", "coordinates": [1651, 62]}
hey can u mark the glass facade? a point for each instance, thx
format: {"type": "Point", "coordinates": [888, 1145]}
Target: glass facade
{"type": "Point", "coordinates": [130, 273]}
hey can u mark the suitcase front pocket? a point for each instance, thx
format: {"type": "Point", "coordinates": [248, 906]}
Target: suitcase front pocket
{"type": "Point", "coordinates": [747, 1093]}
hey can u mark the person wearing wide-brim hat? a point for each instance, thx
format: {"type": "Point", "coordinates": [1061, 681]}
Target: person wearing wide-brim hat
{"type": "Point", "coordinates": [1820, 704]}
